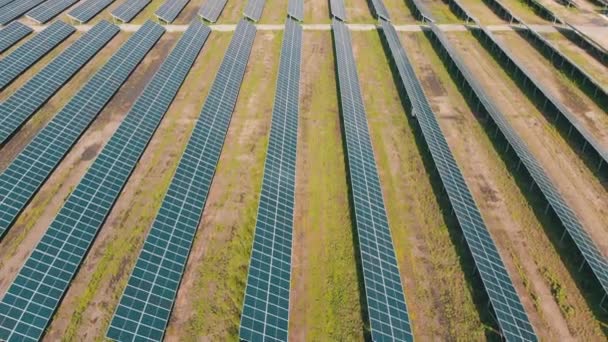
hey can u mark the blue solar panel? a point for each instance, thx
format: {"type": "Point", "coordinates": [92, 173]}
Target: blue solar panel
{"type": "Point", "coordinates": [145, 306]}
{"type": "Point", "coordinates": [254, 9]}
{"type": "Point", "coordinates": [27, 99]}
{"type": "Point", "coordinates": [169, 10]}
{"type": "Point", "coordinates": [88, 9]}
{"type": "Point", "coordinates": [30, 301]}
{"type": "Point", "coordinates": [266, 304]}
{"type": "Point", "coordinates": [129, 9]}
{"type": "Point", "coordinates": [49, 10]}
{"type": "Point", "coordinates": [337, 9]}
{"type": "Point", "coordinates": [24, 176]}
{"type": "Point", "coordinates": [295, 9]}
{"type": "Point", "coordinates": [11, 34]}
{"type": "Point", "coordinates": [5, 2]}
{"type": "Point", "coordinates": [510, 313]}
{"type": "Point", "coordinates": [386, 307]}
{"type": "Point", "coordinates": [380, 9]}
{"type": "Point", "coordinates": [212, 9]}
{"type": "Point", "coordinates": [31, 51]}
{"type": "Point", "coordinates": [16, 9]}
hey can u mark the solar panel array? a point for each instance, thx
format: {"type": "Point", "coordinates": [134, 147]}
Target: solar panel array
{"type": "Point", "coordinates": [266, 305]}
{"type": "Point", "coordinates": [27, 99]}
{"type": "Point", "coordinates": [169, 10]}
{"type": "Point", "coordinates": [49, 10]}
{"type": "Point", "coordinates": [145, 306]}
{"type": "Point", "coordinates": [5, 2]}
{"type": "Point", "coordinates": [388, 315]}
{"type": "Point", "coordinates": [31, 51]}
{"type": "Point", "coordinates": [11, 34]}
{"type": "Point", "coordinates": [29, 170]}
{"type": "Point", "coordinates": [584, 243]}
{"type": "Point", "coordinates": [337, 9]}
{"type": "Point", "coordinates": [16, 9]}
{"type": "Point", "coordinates": [129, 9]}
{"type": "Point", "coordinates": [509, 311]}
{"type": "Point", "coordinates": [295, 9]}
{"type": "Point", "coordinates": [212, 9]}
{"type": "Point", "coordinates": [254, 9]}
{"type": "Point", "coordinates": [30, 301]}
{"type": "Point", "coordinates": [88, 9]}
{"type": "Point", "coordinates": [380, 9]}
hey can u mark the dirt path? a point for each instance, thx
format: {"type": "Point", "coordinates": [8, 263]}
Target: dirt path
{"type": "Point", "coordinates": [482, 12]}
{"type": "Point", "coordinates": [592, 117]}
{"type": "Point", "coordinates": [316, 11]}
{"type": "Point", "coordinates": [325, 304]}
{"type": "Point", "coordinates": [545, 275]}
{"type": "Point", "coordinates": [210, 297]}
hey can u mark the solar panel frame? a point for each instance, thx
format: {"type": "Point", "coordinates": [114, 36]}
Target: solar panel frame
{"type": "Point", "coordinates": [17, 8]}
{"type": "Point", "coordinates": [380, 10]}
{"type": "Point", "coordinates": [49, 10]}
{"type": "Point", "coordinates": [170, 9]}
{"type": "Point", "coordinates": [145, 306]}
{"type": "Point", "coordinates": [129, 9]}
{"type": "Point", "coordinates": [295, 9]}
{"type": "Point", "coordinates": [20, 181]}
{"type": "Point", "coordinates": [268, 281]}
{"type": "Point", "coordinates": [254, 9]}
{"type": "Point", "coordinates": [337, 9]}
{"type": "Point", "coordinates": [11, 34]}
{"type": "Point", "coordinates": [386, 306]}
{"type": "Point", "coordinates": [212, 9]}
{"type": "Point", "coordinates": [88, 9]}
{"type": "Point", "coordinates": [22, 104]}
{"type": "Point", "coordinates": [47, 273]}
{"type": "Point", "coordinates": [23, 57]}
{"type": "Point", "coordinates": [510, 313]}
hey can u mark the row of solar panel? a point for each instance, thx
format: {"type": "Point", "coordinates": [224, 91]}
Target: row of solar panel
{"type": "Point", "coordinates": [34, 295]}
{"type": "Point", "coordinates": [266, 302]}
{"type": "Point", "coordinates": [508, 309]}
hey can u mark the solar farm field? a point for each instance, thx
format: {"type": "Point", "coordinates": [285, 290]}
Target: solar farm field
{"type": "Point", "coordinates": [303, 170]}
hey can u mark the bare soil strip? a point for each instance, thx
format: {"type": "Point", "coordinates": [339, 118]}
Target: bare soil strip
{"type": "Point", "coordinates": [316, 11]}
{"type": "Point", "coordinates": [525, 12]}
{"type": "Point", "coordinates": [482, 12]}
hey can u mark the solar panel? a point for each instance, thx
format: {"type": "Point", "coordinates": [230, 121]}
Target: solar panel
{"type": "Point", "coordinates": [169, 10]}
{"type": "Point", "coordinates": [27, 99]}
{"type": "Point", "coordinates": [31, 51]}
{"type": "Point", "coordinates": [266, 305]}
{"type": "Point", "coordinates": [29, 170]}
{"type": "Point", "coordinates": [5, 2]}
{"type": "Point", "coordinates": [295, 9]}
{"type": "Point", "coordinates": [510, 314]}
{"type": "Point", "coordinates": [380, 9]}
{"type": "Point", "coordinates": [11, 34]}
{"type": "Point", "coordinates": [212, 9]}
{"type": "Point", "coordinates": [337, 9]}
{"type": "Point", "coordinates": [31, 299]}
{"type": "Point", "coordinates": [254, 9]}
{"type": "Point", "coordinates": [129, 9]}
{"type": "Point", "coordinates": [16, 9]}
{"type": "Point", "coordinates": [88, 9]}
{"type": "Point", "coordinates": [386, 307]}
{"type": "Point", "coordinates": [590, 252]}
{"type": "Point", "coordinates": [146, 303]}
{"type": "Point", "coordinates": [49, 10]}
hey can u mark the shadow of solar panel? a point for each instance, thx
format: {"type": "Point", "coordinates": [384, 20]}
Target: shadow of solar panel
{"type": "Point", "coordinates": [212, 9]}
{"type": "Point", "coordinates": [146, 303]}
{"type": "Point", "coordinates": [380, 9]}
{"type": "Point", "coordinates": [337, 9]}
{"type": "Point", "coordinates": [27, 99]}
{"type": "Point", "coordinates": [129, 9]}
{"type": "Point", "coordinates": [170, 10]}
{"type": "Point", "coordinates": [254, 9]}
{"type": "Point", "coordinates": [510, 314]}
{"type": "Point", "coordinates": [23, 57]}
{"type": "Point", "coordinates": [295, 9]}
{"type": "Point", "coordinates": [266, 305]}
{"type": "Point", "coordinates": [49, 10]}
{"type": "Point", "coordinates": [11, 34]}
{"type": "Point", "coordinates": [16, 9]}
{"type": "Point", "coordinates": [590, 252]}
{"type": "Point", "coordinates": [28, 171]}
{"type": "Point", "coordinates": [46, 274]}
{"type": "Point", "coordinates": [387, 310]}
{"type": "Point", "coordinates": [88, 9]}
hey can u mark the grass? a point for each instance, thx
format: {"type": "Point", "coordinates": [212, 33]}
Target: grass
{"type": "Point", "coordinates": [274, 12]}
{"type": "Point", "coordinates": [442, 13]}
